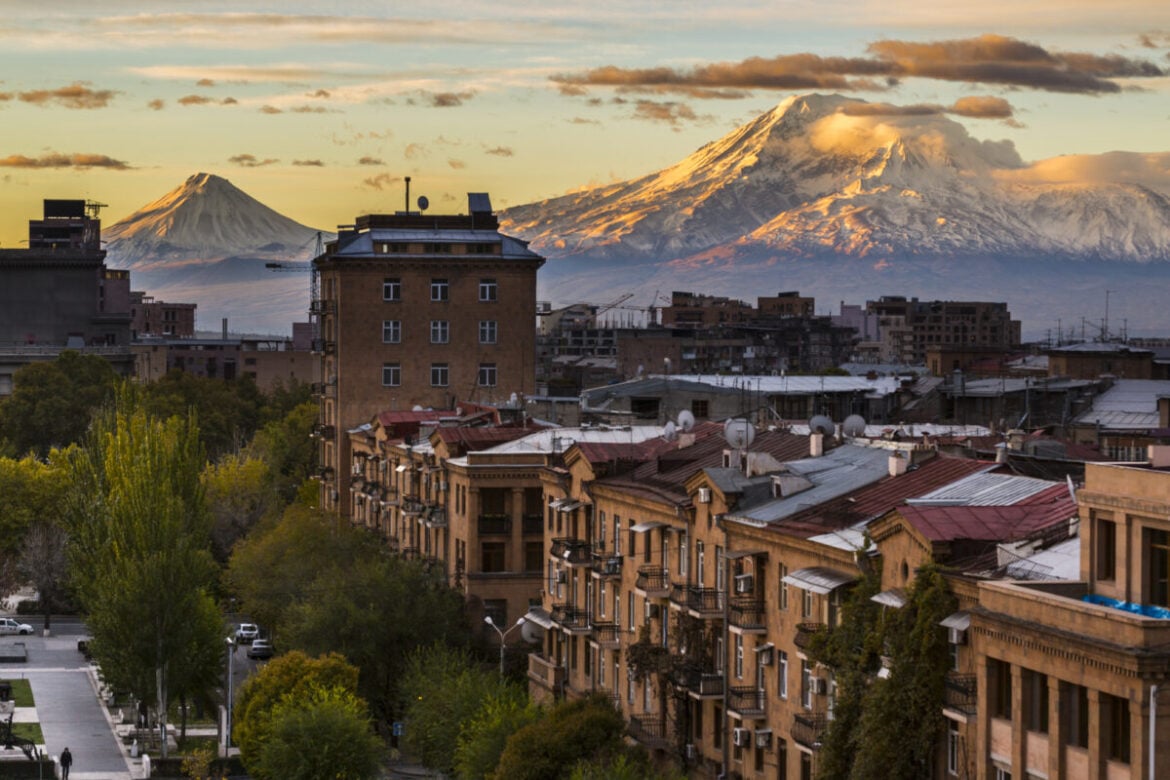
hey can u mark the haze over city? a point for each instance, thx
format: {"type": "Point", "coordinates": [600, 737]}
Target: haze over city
{"type": "Point", "coordinates": [320, 112]}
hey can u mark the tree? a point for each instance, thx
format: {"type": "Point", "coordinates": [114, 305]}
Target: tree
{"type": "Point", "coordinates": [286, 446]}
{"type": "Point", "coordinates": [482, 739]}
{"type": "Point", "coordinates": [44, 564]}
{"type": "Point", "coordinates": [140, 553]}
{"type": "Point", "coordinates": [335, 723]}
{"type": "Point", "coordinates": [239, 495]}
{"type": "Point", "coordinates": [52, 403]}
{"type": "Point", "coordinates": [586, 729]}
{"type": "Point", "coordinates": [28, 491]}
{"type": "Point", "coordinates": [292, 674]}
{"type": "Point", "coordinates": [228, 411]}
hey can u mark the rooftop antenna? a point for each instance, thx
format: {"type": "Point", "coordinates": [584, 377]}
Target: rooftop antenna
{"type": "Point", "coordinates": [407, 194]}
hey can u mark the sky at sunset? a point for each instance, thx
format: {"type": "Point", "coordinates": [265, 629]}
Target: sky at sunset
{"type": "Point", "coordinates": [319, 109]}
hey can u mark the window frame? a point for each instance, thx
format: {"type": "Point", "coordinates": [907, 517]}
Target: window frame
{"type": "Point", "coordinates": [489, 332]}
{"type": "Point", "coordinates": [440, 375]}
{"type": "Point", "coordinates": [487, 375]}
{"type": "Point", "coordinates": [489, 291]}
{"type": "Point", "coordinates": [440, 331]}
{"type": "Point", "coordinates": [440, 290]}
{"type": "Point", "coordinates": [391, 331]}
{"type": "Point", "coordinates": [392, 289]}
{"type": "Point", "coordinates": [394, 372]}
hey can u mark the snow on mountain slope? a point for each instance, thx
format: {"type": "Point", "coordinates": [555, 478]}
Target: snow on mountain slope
{"type": "Point", "coordinates": [204, 219]}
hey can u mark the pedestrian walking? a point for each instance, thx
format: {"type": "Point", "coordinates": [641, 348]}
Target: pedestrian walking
{"type": "Point", "coordinates": [66, 762]}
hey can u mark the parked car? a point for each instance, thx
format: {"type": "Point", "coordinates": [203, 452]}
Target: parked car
{"type": "Point", "coordinates": [247, 632]}
{"type": "Point", "coordinates": [10, 626]}
{"type": "Point", "coordinates": [260, 648]}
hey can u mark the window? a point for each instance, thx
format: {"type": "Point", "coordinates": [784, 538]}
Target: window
{"type": "Point", "coordinates": [487, 374]}
{"type": "Point", "coordinates": [630, 610]}
{"type": "Point", "coordinates": [391, 374]}
{"type": "Point", "coordinates": [438, 374]}
{"type": "Point", "coordinates": [806, 603]}
{"type": "Point", "coordinates": [487, 331]}
{"type": "Point", "coordinates": [497, 610]}
{"type": "Point", "coordinates": [952, 747]}
{"type": "Point", "coordinates": [806, 772]}
{"type": "Point", "coordinates": [1157, 567]}
{"type": "Point", "coordinates": [440, 332]}
{"type": "Point", "coordinates": [999, 683]}
{"type": "Point", "coordinates": [699, 409]}
{"type": "Point", "coordinates": [1115, 728]}
{"type": "Point", "coordinates": [533, 555]}
{"type": "Point", "coordinates": [1106, 544]}
{"type": "Point", "coordinates": [440, 290]}
{"type": "Point", "coordinates": [783, 588]}
{"type": "Point", "coordinates": [1035, 701]}
{"type": "Point", "coordinates": [617, 535]}
{"type": "Point", "coordinates": [488, 290]}
{"type": "Point", "coordinates": [391, 331]}
{"type": "Point", "coordinates": [392, 289]}
{"type": "Point", "coordinates": [739, 656]}
{"type": "Point", "coordinates": [806, 690]}
{"type": "Point", "coordinates": [492, 556]}
{"type": "Point", "coordinates": [1074, 714]}
{"type": "Point", "coordinates": [782, 671]}
{"type": "Point", "coordinates": [782, 759]}
{"type": "Point", "coordinates": [1002, 774]}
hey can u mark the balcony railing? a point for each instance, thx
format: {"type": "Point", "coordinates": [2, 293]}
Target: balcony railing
{"type": "Point", "coordinates": [702, 683]}
{"type": "Point", "coordinates": [572, 618]}
{"type": "Point", "coordinates": [606, 635]}
{"type": "Point", "coordinates": [323, 431]}
{"type": "Point", "coordinates": [412, 505]}
{"type": "Point", "coordinates": [747, 613]}
{"type": "Point", "coordinates": [649, 730]}
{"type": "Point", "coordinates": [489, 525]}
{"type": "Point", "coordinates": [654, 581]}
{"type": "Point", "coordinates": [546, 673]}
{"type": "Point", "coordinates": [322, 346]}
{"type": "Point", "coordinates": [702, 602]}
{"type": "Point", "coordinates": [574, 552]}
{"type": "Point", "coordinates": [607, 565]}
{"type": "Point", "coordinates": [961, 693]}
{"type": "Point", "coordinates": [435, 517]}
{"type": "Point", "coordinates": [322, 306]}
{"type": "Point", "coordinates": [748, 701]}
{"type": "Point", "coordinates": [809, 728]}
{"type": "Point", "coordinates": [805, 632]}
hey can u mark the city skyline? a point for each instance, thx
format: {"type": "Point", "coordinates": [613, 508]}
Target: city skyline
{"type": "Point", "coordinates": [320, 115]}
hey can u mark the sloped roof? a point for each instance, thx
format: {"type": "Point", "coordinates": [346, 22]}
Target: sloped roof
{"type": "Point", "coordinates": [481, 438]}
{"type": "Point", "coordinates": [1130, 404]}
{"type": "Point", "coordinates": [1003, 523]}
{"type": "Point", "coordinates": [985, 489]}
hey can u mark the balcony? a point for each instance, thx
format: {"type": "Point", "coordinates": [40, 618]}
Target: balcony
{"type": "Point", "coordinates": [410, 553]}
{"type": "Point", "coordinates": [572, 618]}
{"type": "Point", "coordinates": [493, 525]}
{"type": "Point", "coordinates": [606, 635]}
{"type": "Point", "coordinates": [747, 614]}
{"type": "Point", "coordinates": [322, 306]}
{"type": "Point", "coordinates": [960, 693]}
{"type": "Point", "coordinates": [653, 581]}
{"type": "Point", "coordinates": [323, 431]}
{"type": "Point", "coordinates": [700, 602]}
{"type": "Point", "coordinates": [545, 673]}
{"type": "Point", "coordinates": [324, 347]}
{"type": "Point", "coordinates": [412, 505]}
{"type": "Point", "coordinates": [607, 566]}
{"type": "Point", "coordinates": [532, 525]}
{"type": "Point", "coordinates": [650, 731]}
{"type": "Point", "coordinates": [325, 473]}
{"type": "Point", "coordinates": [808, 729]}
{"type": "Point", "coordinates": [704, 685]}
{"type": "Point", "coordinates": [574, 552]}
{"type": "Point", "coordinates": [746, 702]}
{"type": "Point", "coordinates": [435, 517]}
{"type": "Point", "coordinates": [805, 633]}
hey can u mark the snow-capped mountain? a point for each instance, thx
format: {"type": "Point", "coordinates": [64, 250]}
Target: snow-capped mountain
{"type": "Point", "coordinates": [849, 200]}
{"type": "Point", "coordinates": [208, 242]}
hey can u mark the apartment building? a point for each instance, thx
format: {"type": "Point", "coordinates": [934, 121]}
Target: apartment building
{"type": "Point", "coordinates": [909, 327]}
{"type": "Point", "coordinates": [421, 311]}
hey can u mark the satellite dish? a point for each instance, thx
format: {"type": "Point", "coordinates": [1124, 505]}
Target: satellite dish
{"type": "Point", "coordinates": [822, 424]}
{"type": "Point", "coordinates": [686, 420]}
{"type": "Point", "coordinates": [531, 632]}
{"type": "Point", "coordinates": [854, 425]}
{"type": "Point", "coordinates": [417, 408]}
{"type": "Point", "coordinates": [458, 411]}
{"type": "Point", "coordinates": [666, 364]}
{"type": "Point", "coordinates": [739, 433]}
{"type": "Point", "coordinates": [669, 432]}
{"type": "Point", "coordinates": [423, 203]}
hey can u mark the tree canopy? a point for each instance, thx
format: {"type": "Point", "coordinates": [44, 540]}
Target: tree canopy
{"type": "Point", "coordinates": [51, 403]}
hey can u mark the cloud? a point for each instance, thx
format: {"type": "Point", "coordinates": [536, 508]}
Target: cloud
{"type": "Point", "coordinates": [580, 120]}
{"type": "Point", "coordinates": [381, 181]}
{"type": "Point", "coordinates": [309, 163]}
{"type": "Point", "coordinates": [205, 82]}
{"type": "Point", "coordinates": [311, 110]}
{"type": "Point", "coordinates": [439, 99]}
{"type": "Point", "coordinates": [156, 104]}
{"type": "Point", "coordinates": [670, 112]}
{"type": "Point", "coordinates": [457, 165]}
{"type": "Point", "coordinates": [251, 161]}
{"type": "Point", "coordinates": [975, 107]}
{"type": "Point", "coordinates": [57, 160]}
{"type": "Point", "coordinates": [414, 151]}
{"type": "Point", "coordinates": [500, 151]}
{"type": "Point", "coordinates": [370, 161]}
{"type": "Point", "coordinates": [321, 93]}
{"type": "Point", "coordinates": [270, 110]}
{"type": "Point", "coordinates": [204, 100]}
{"type": "Point", "coordinates": [986, 59]}
{"type": "Point", "coordinates": [982, 107]}
{"type": "Point", "coordinates": [1151, 170]}
{"type": "Point", "coordinates": [76, 95]}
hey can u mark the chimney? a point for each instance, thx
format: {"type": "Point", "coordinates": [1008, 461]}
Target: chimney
{"type": "Point", "coordinates": [225, 328]}
{"type": "Point", "coordinates": [1164, 411]}
{"type": "Point", "coordinates": [816, 445]}
{"type": "Point", "coordinates": [898, 464]}
{"type": "Point", "coordinates": [1001, 453]}
{"type": "Point", "coordinates": [1015, 439]}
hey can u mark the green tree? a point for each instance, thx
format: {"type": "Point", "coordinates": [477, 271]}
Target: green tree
{"type": "Point", "coordinates": [140, 553]}
{"type": "Point", "coordinates": [286, 446]}
{"type": "Point", "coordinates": [29, 491]}
{"type": "Point", "coordinates": [51, 403]}
{"type": "Point", "coordinates": [293, 675]}
{"type": "Point", "coordinates": [239, 495]}
{"type": "Point", "coordinates": [335, 723]}
{"type": "Point", "coordinates": [482, 739]}
{"type": "Point", "coordinates": [583, 730]}
{"type": "Point", "coordinates": [228, 411]}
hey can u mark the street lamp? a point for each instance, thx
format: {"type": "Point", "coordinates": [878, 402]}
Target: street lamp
{"type": "Point", "coordinates": [503, 635]}
{"type": "Point", "coordinates": [227, 742]}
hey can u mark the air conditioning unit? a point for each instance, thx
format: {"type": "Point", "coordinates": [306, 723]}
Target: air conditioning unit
{"type": "Point", "coordinates": [704, 495]}
{"type": "Point", "coordinates": [741, 737]}
{"type": "Point", "coordinates": [561, 578]}
{"type": "Point", "coordinates": [765, 656]}
{"type": "Point", "coordinates": [744, 583]}
{"type": "Point", "coordinates": [691, 752]}
{"type": "Point", "coordinates": [819, 685]}
{"type": "Point", "coordinates": [764, 738]}
{"type": "Point", "coordinates": [957, 636]}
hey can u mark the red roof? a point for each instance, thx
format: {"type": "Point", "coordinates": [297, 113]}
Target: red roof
{"type": "Point", "coordinates": [993, 523]}
{"type": "Point", "coordinates": [474, 439]}
{"type": "Point", "coordinates": [388, 419]}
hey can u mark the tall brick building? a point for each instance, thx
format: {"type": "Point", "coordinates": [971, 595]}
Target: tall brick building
{"type": "Point", "coordinates": [421, 310]}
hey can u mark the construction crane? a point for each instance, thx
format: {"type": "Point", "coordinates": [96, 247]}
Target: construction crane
{"type": "Point", "coordinates": [287, 266]}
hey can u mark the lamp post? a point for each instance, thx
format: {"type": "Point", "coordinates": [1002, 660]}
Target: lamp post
{"type": "Point", "coordinates": [503, 635]}
{"type": "Point", "coordinates": [227, 742]}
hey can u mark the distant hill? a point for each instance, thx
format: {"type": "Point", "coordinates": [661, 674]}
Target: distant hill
{"type": "Point", "coordinates": [207, 242]}
{"type": "Point", "coordinates": [849, 200]}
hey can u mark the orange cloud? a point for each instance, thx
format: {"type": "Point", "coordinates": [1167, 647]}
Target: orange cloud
{"type": "Point", "coordinates": [57, 160]}
{"type": "Point", "coordinates": [76, 95]}
{"type": "Point", "coordinates": [251, 161]}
